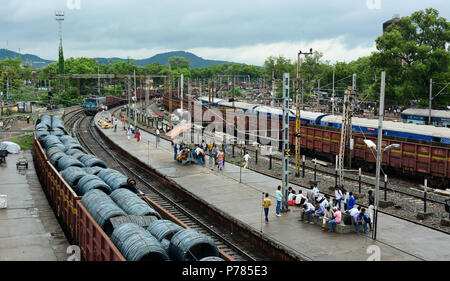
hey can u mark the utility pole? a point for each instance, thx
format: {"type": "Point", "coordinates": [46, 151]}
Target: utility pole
{"type": "Point", "coordinates": [286, 151]}
{"type": "Point", "coordinates": [234, 81]}
{"type": "Point", "coordinates": [332, 98]}
{"type": "Point", "coordinates": [273, 89]}
{"type": "Point", "coordinates": [318, 93]}
{"type": "Point", "coordinates": [429, 110]}
{"type": "Point", "coordinates": [129, 99]}
{"type": "Point", "coordinates": [170, 97]}
{"type": "Point", "coordinates": [135, 100]}
{"type": "Point", "coordinates": [298, 123]}
{"type": "Point", "coordinates": [343, 141]}
{"type": "Point", "coordinates": [378, 167]}
{"type": "Point", "coordinates": [7, 83]}
{"type": "Point", "coordinates": [350, 134]}
{"type": "Point", "coordinates": [98, 74]}
{"type": "Point", "coordinates": [181, 93]}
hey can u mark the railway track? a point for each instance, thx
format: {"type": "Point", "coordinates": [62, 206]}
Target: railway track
{"type": "Point", "coordinates": [72, 116]}
{"type": "Point", "coordinates": [89, 138]}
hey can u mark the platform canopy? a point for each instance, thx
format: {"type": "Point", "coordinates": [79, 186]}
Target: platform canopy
{"type": "Point", "coordinates": [179, 129]}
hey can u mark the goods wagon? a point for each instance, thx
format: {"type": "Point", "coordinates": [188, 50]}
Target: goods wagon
{"type": "Point", "coordinates": [101, 211]}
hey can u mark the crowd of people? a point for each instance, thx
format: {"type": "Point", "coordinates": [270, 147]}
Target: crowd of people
{"type": "Point", "coordinates": [330, 211]}
{"type": "Point", "coordinates": [215, 153]}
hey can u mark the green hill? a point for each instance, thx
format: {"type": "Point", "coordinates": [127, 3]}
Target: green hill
{"type": "Point", "coordinates": [163, 58]}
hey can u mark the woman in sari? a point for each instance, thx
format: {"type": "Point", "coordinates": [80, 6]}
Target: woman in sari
{"type": "Point", "coordinates": [220, 157]}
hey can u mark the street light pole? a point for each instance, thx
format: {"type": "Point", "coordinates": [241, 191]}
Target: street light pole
{"type": "Point", "coordinates": [429, 110]}
{"type": "Point", "coordinates": [378, 167]}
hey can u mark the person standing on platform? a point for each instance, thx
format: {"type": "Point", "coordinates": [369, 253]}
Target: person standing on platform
{"type": "Point", "coordinates": [316, 191]}
{"type": "Point", "coordinates": [346, 198]}
{"type": "Point", "coordinates": [138, 134]}
{"type": "Point", "coordinates": [266, 204]}
{"type": "Point", "coordinates": [220, 161]}
{"type": "Point", "coordinates": [157, 136]}
{"type": "Point", "coordinates": [215, 153]}
{"type": "Point", "coordinates": [310, 196]}
{"type": "Point", "coordinates": [123, 122]}
{"type": "Point", "coordinates": [351, 201]}
{"type": "Point", "coordinates": [115, 124]}
{"type": "Point", "coordinates": [175, 150]}
{"type": "Point", "coordinates": [128, 134]}
{"type": "Point", "coordinates": [279, 198]}
{"type": "Point", "coordinates": [246, 158]}
{"type": "Point", "coordinates": [371, 198]}
{"type": "Point", "coordinates": [338, 196]}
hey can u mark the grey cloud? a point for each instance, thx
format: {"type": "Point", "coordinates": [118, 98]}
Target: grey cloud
{"type": "Point", "coordinates": [137, 24]}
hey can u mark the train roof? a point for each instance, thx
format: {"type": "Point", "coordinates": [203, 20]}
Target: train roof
{"type": "Point", "coordinates": [426, 130]}
{"type": "Point", "coordinates": [237, 104]}
{"type": "Point", "coordinates": [425, 112]}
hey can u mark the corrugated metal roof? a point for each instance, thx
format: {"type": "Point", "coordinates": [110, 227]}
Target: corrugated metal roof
{"type": "Point", "coordinates": [425, 112]}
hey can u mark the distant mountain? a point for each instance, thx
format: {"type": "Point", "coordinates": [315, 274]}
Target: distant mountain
{"type": "Point", "coordinates": [195, 61]}
{"type": "Point", "coordinates": [30, 60]}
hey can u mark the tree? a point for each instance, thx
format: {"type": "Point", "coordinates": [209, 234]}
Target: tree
{"type": "Point", "coordinates": [178, 62]}
{"type": "Point", "coordinates": [411, 52]}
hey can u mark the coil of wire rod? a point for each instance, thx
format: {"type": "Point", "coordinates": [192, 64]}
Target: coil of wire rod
{"type": "Point", "coordinates": [190, 245]}
{"type": "Point", "coordinates": [57, 122]}
{"type": "Point", "coordinates": [101, 208]}
{"type": "Point", "coordinates": [68, 161]}
{"type": "Point", "coordinates": [212, 259]}
{"type": "Point", "coordinates": [72, 175]}
{"type": "Point", "coordinates": [53, 150]}
{"type": "Point", "coordinates": [55, 158]}
{"type": "Point", "coordinates": [115, 179]}
{"type": "Point", "coordinates": [137, 244]}
{"type": "Point", "coordinates": [92, 161]}
{"type": "Point", "coordinates": [57, 132]}
{"type": "Point", "coordinates": [50, 141]}
{"type": "Point", "coordinates": [142, 221]}
{"type": "Point", "coordinates": [132, 204]}
{"type": "Point", "coordinates": [41, 134]}
{"type": "Point", "coordinates": [89, 182]}
{"type": "Point", "coordinates": [71, 146]}
{"type": "Point", "coordinates": [92, 170]}
{"type": "Point", "coordinates": [68, 140]}
{"type": "Point", "coordinates": [164, 229]}
{"type": "Point", "coordinates": [77, 155]}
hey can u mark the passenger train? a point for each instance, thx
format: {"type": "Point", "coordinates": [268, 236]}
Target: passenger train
{"type": "Point", "coordinates": [364, 125]}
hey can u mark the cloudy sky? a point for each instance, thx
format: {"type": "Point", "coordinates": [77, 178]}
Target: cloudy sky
{"type": "Point", "coordinates": [245, 31]}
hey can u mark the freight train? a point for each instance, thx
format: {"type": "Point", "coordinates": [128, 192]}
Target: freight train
{"type": "Point", "coordinates": [424, 150]}
{"type": "Point", "coordinates": [103, 212]}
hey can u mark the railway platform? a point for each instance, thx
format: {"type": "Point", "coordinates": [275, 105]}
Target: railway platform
{"type": "Point", "coordinates": [29, 230]}
{"type": "Point", "coordinates": [237, 194]}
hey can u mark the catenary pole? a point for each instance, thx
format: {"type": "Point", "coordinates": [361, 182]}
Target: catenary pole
{"type": "Point", "coordinates": [379, 155]}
